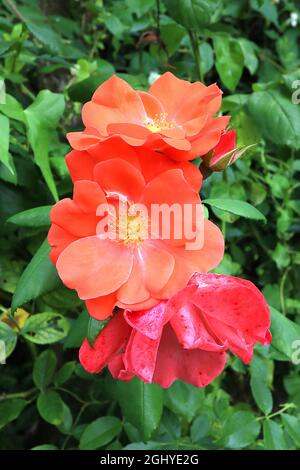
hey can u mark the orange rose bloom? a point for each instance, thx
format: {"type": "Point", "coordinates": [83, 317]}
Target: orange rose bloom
{"type": "Point", "coordinates": [81, 164]}
{"type": "Point", "coordinates": [175, 117]}
{"type": "Point", "coordinates": [133, 270]}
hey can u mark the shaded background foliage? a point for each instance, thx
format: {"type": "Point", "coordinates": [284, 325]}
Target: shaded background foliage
{"type": "Point", "coordinates": [53, 55]}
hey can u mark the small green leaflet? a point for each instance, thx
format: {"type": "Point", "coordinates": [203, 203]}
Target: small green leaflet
{"type": "Point", "coordinates": [45, 328]}
{"type": "Point", "coordinates": [234, 206]}
{"type": "Point", "coordinates": [36, 217]}
{"type": "Point", "coordinates": [39, 277]}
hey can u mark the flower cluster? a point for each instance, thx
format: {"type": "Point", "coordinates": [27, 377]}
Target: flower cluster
{"type": "Point", "coordinates": [134, 243]}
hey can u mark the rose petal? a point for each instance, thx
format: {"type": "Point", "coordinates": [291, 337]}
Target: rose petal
{"type": "Point", "coordinates": [149, 322]}
{"type": "Point", "coordinates": [107, 345]}
{"type": "Point", "coordinates": [94, 267]}
{"type": "Point", "coordinates": [196, 367]}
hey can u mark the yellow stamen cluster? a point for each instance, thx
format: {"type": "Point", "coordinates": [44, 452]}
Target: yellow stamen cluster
{"type": "Point", "coordinates": [134, 229]}
{"type": "Point", "coordinates": [159, 123]}
{"type": "Point", "coordinates": [129, 229]}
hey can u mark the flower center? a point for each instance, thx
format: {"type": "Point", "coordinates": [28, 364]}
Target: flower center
{"type": "Point", "coordinates": [128, 227]}
{"type": "Point", "coordinates": [159, 123]}
{"type": "Point", "coordinates": [134, 229]}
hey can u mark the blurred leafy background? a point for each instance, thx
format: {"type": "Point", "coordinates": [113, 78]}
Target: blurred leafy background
{"type": "Point", "coordinates": [53, 55]}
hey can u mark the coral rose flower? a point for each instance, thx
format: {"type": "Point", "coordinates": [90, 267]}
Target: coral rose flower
{"type": "Point", "coordinates": [81, 164]}
{"type": "Point", "coordinates": [186, 337]}
{"type": "Point", "coordinates": [141, 265]}
{"type": "Point", "coordinates": [174, 116]}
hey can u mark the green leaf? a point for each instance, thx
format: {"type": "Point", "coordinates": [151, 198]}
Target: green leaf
{"type": "Point", "coordinates": [194, 14]}
{"type": "Point", "coordinates": [38, 24]}
{"type": "Point", "coordinates": [292, 425]}
{"type": "Point", "coordinates": [170, 426]}
{"type": "Point", "coordinates": [240, 430]}
{"type": "Point", "coordinates": [5, 156]}
{"type": "Point", "coordinates": [2, 84]}
{"type": "Point", "coordinates": [94, 329]}
{"type": "Point", "coordinates": [100, 432]}
{"type": "Point", "coordinates": [45, 447]}
{"type": "Point", "coordinates": [267, 9]}
{"type": "Point", "coordinates": [51, 407]}
{"type": "Point", "coordinates": [281, 256]}
{"type": "Point", "coordinates": [260, 384]}
{"type": "Point", "coordinates": [10, 409]}
{"type": "Point", "coordinates": [77, 331]}
{"type": "Point", "coordinates": [184, 400]}
{"type": "Point", "coordinates": [261, 394]}
{"type": "Point", "coordinates": [226, 191]}
{"type": "Point", "coordinates": [285, 334]}
{"type": "Point", "coordinates": [229, 60]}
{"type": "Point", "coordinates": [172, 34]}
{"type": "Point", "coordinates": [139, 7]}
{"type": "Point", "coordinates": [62, 299]}
{"type": "Point", "coordinates": [241, 208]}
{"type": "Point", "coordinates": [144, 407]}
{"type": "Point", "coordinates": [206, 57]}
{"type": "Point", "coordinates": [9, 338]}
{"type": "Point", "coordinates": [44, 368]}
{"type": "Point", "coordinates": [273, 436]}
{"type": "Point", "coordinates": [250, 59]}
{"type": "Point", "coordinates": [45, 328]}
{"type": "Point", "coordinates": [199, 428]}
{"type": "Point", "coordinates": [39, 277]}
{"type": "Point", "coordinates": [64, 373]}
{"type": "Point", "coordinates": [12, 109]}
{"type": "Point", "coordinates": [277, 117]}
{"type": "Point", "coordinates": [42, 117]}
{"type": "Point", "coordinates": [65, 426]}
{"type": "Point", "coordinates": [36, 217]}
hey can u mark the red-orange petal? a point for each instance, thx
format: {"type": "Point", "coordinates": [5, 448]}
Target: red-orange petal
{"type": "Point", "coordinates": [151, 105]}
{"type": "Point", "coordinates": [134, 290]}
{"type": "Point", "coordinates": [58, 239]}
{"type": "Point", "coordinates": [88, 195]}
{"type": "Point", "coordinates": [170, 92]}
{"type": "Point", "coordinates": [70, 217]}
{"type": "Point", "coordinates": [83, 140]}
{"type": "Point", "coordinates": [119, 176]}
{"type": "Point", "coordinates": [110, 341]}
{"type": "Point", "coordinates": [94, 267]}
{"type": "Point", "coordinates": [157, 265]}
{"type": "Point", "coordinates": [80, 165]}
{"type": "Point", "coordinates": [101, 307]}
